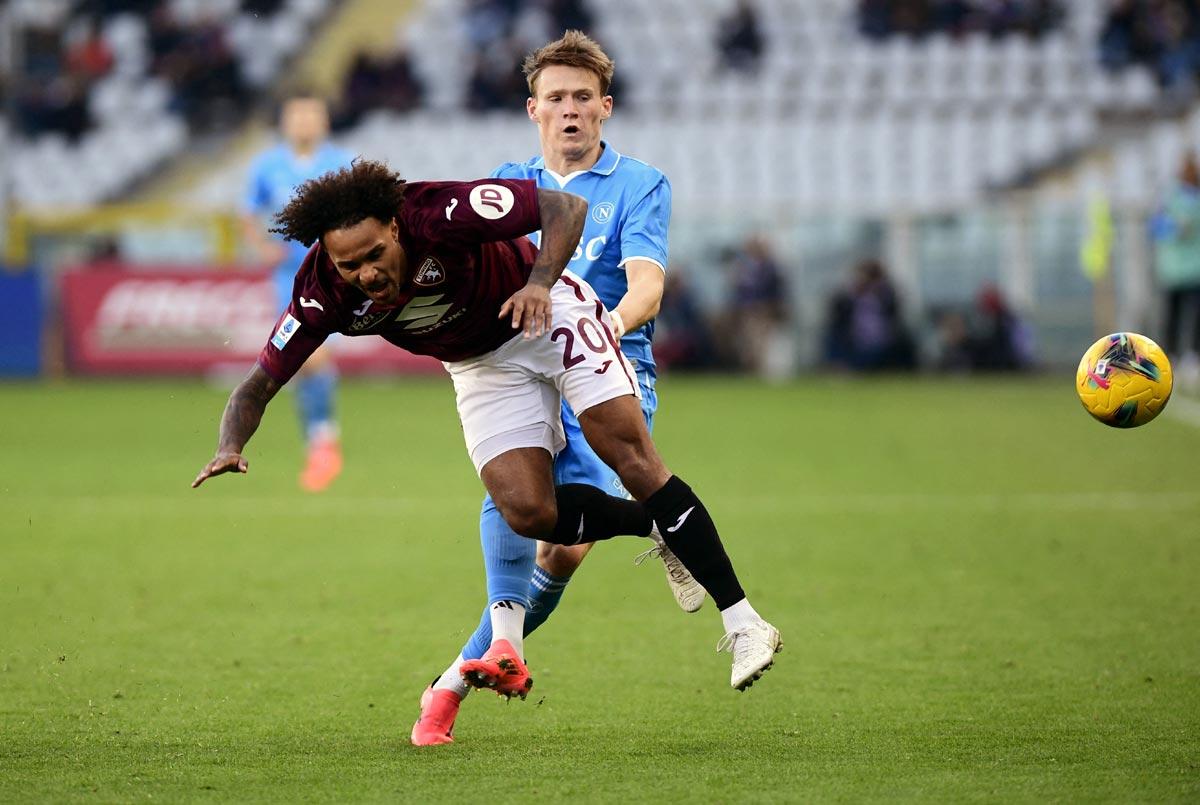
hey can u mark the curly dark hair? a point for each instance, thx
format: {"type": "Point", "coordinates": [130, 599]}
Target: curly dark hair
{"type": "Point", "coordinates": [339, 199]}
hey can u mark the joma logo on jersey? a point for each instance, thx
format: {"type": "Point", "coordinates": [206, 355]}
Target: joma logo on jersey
{"type": "Point", "coordinates": [430, 273]}
{"type": "Point", "coordinates": [422, 311]}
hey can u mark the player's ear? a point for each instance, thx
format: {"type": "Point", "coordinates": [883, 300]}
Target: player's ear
{"type": "Point", "coordinates": [394, 228]}
{"type": "Point", "coordinates": [531, 108]}
{"type": "Point", "coordinates": [606, 107]}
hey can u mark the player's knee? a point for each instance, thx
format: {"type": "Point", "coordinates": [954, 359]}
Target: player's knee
{"type": "Point", "coordinates": [531, 518]}
{"type": "Point", "coordinates": [642, 472]}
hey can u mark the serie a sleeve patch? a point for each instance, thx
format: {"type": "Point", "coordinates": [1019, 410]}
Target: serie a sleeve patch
{"type": "Point", "coordinates": [287, 328]}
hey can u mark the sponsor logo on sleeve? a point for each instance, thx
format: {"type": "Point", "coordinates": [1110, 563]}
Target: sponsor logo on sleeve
{"type": "Point", "coordinates": [430, 273]}
{"type": "Point", "coordinates": [287, 329]}
{"type": "Point", "coordinates": [602, 212]}
{"type": "Point", "coordinates": [491, 201]}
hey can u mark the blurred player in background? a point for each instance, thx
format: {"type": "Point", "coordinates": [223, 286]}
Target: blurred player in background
{"type": "Point", "coordinates": [443, 269]}
{"type": "Point", "coordinates": [1176, 231]}
{"type": "Point", "coordinates": [304, 154]}
{"type": "Point", "coordinates": [623, 255]}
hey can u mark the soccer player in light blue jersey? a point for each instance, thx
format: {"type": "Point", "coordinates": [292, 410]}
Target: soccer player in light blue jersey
{"type": "Point", "coordinates": [623, 255]}
{"type": "Point", "coordinates": [304, 154]}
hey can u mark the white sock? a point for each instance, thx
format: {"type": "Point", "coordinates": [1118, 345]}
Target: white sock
{"type": "Point", "coordinates": [738, 615]}
{"type": "Point", "coordinates": [451, 679]}
{"type": "Point", "coordinates": [508, 623]}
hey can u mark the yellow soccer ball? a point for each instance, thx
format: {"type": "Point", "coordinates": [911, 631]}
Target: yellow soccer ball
{"type": "Point", "coordinates": [1124, 380]}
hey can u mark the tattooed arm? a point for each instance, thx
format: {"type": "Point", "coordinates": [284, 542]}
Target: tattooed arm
{"type": "Point", "coordinates": [563, 216]}
{"type": "Point", "coordinates": [242, 414]}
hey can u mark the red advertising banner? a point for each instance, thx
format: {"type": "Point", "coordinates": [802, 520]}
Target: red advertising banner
{"type": "Point", "coordinates": [121, 321]}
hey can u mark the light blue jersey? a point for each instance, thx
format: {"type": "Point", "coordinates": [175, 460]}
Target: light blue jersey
{"type": "Point", "coordinates": [629, 207]}
{"type": "Point", "coordinates": [274, 176]}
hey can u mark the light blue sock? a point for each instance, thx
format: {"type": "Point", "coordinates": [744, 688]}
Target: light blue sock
{"type": "Point", "coordinates": [314, 398]}
{"type": "Point", "coordinates": [545, 591]}
{"type": "Point", "coordinates": [508, 559]}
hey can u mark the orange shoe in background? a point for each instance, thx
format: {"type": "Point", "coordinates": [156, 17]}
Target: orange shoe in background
{"type": "Point", "coordinates": [323, 465]}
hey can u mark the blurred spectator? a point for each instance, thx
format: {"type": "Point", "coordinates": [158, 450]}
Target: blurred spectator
{"type": "Point", "coordinates": [50, 91]}
{"type": "Point", "coordinates": [865, 330]}
{"type": "Point", "coordinates": [500, 33]}
{"type": "Point", "coordinates": [59, 105]}
{"type": "Point", "coordinates": [759, 311]}
{"type": "Point", "coordinates": [1163, 35]}
{"type": "Point", "coordinates": [951, 341]}
{"type": "Point", "coordinates": [568, 15]}
{"type": "Point", "coordinates": [1000, 341]}
{"type": "Point", "coordinates": [378, 82]}
{"type": "Point", "coordinates": [196, 59]}
{"type": "Point", "coordinates": [88, 55]}
{"type": "Point", "coordinates": [487, 20]}
{"type": "Point", "coordinates": [740, 39]}
{"type": "Point", "coordinates": [682, 338]}
{"type": "Point", "coordinates": [496, 81]}
{"type": "Point", "coordinates": [1176, 232]}
{"type": "Point", "coordinates": [262, 8]}
{"type": "Point", "coordinates": [879, 19]}
{"type": "Point", "coordinates": [988, 338]}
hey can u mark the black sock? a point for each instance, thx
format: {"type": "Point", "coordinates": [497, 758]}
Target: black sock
{"type": "Point", "coordinates": [585, 514]}
{"type": "Point", "coordinates": [689, 532]}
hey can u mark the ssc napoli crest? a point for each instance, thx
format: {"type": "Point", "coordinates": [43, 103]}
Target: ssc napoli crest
{"type": "Point", "coordinates": [602, 212]}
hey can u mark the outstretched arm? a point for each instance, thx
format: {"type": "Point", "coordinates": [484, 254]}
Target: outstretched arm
{"type": "Point", "coordinates": [563, 215]}
{"type": "Point", "coordinates": [242, 414]}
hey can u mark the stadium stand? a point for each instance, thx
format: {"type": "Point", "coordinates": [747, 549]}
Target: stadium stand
{"type": "Point", "coordinates": [852, 132]}
{"type": "Point", "coordinates": [107, 91]}
{"type": "Point", "coordinates": [831, 119]}
{"type": "Point", "coordinates": [844, 111]}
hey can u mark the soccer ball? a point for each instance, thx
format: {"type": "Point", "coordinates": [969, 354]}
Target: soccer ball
{"type": "Point", "coordinates": [1124, 380]}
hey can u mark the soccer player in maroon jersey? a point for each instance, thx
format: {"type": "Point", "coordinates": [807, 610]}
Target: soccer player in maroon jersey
{"type": "Point", "coordinates": [444, 269]}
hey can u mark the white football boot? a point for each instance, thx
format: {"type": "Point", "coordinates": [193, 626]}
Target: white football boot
{"type": "Point", "coordinates": [688, 592]}
{"type": "Point", "coordinates": [754, 648]}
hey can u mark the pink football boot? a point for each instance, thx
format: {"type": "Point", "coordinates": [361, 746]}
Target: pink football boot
{"type": "Point", "coordinates": [436, 723]}
{"type": "Point", "coordinates": [500, 669]}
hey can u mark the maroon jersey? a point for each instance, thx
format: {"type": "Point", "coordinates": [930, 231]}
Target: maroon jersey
{"type": "Point", "coordinates": [466, 255]}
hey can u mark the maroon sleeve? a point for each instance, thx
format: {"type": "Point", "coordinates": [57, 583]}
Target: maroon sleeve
{"type": "Point", "coordinates": [290, 344]}
{"type": "Point", "coordinates": [482, 211]}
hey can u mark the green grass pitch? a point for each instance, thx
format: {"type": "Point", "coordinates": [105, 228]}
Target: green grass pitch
{"type": "Point", "coordinates": [984, 596]}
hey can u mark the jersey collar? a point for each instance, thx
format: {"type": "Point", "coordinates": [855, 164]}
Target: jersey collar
{"type": "Point", "coordinates": [605, 165]}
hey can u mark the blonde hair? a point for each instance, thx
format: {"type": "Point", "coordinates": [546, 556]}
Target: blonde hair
{"type": "Point", "coordinates": [574, 49]}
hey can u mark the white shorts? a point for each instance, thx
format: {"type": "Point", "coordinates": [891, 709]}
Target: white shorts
{"type": "Point", "coordinates": [512, 397]}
